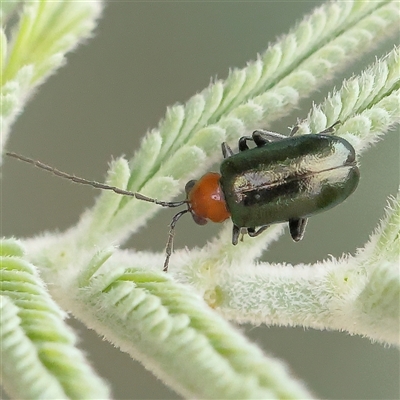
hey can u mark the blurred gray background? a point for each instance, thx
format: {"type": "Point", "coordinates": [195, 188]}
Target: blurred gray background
{"type": "Point", "coordinates": [144, 57]}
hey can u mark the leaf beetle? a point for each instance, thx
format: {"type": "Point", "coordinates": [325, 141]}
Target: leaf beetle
{"type": "Point", "coordinates": [281, 179]}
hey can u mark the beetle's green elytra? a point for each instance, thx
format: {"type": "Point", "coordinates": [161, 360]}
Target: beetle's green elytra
{"type": "Point", "coordinates": [286, 179]}
{"type": "Point", "coordinates": [282, 179]}
{"type": "Point", "coordinates": [291, 178]}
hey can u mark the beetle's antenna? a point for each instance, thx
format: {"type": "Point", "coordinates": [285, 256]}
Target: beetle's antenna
{"type": "Point", "coordinates": [171, 234]}
{"type": "Point", "coordinates": [140, 196]}
{"type": "Point", "coordinates": [96, 185]}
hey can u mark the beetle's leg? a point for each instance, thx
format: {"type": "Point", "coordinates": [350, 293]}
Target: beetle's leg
{"type": "Point", "coordinates": [294, 130]}
{"type": "Point", "coordinates": [243, 142]}
{"type": "Point", "coordinates": [261, 137]}
{"type": "Point", "coordinates": [330, 129]}
{"type": "Point", "coordinates": [297, 228]}
{"type": "Point", "coordinates": [235, 234]}
{"type": "Point", "coordinates": [253, 233]}
{"type": "Point", "coordinates": [226, 150]}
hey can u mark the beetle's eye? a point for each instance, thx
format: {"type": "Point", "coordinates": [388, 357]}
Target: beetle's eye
{"type": "Point", "coordinates": [199, 220]}
{"type": "Point", "coordinates": [189, 186]}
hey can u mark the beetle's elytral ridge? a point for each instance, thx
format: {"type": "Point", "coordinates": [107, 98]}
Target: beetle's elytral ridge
{"type": "Point", "coordinates": [309, 174]}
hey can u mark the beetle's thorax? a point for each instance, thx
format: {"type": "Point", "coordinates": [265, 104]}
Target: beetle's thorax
{"type": "Point", "coordinates": [206, 200]}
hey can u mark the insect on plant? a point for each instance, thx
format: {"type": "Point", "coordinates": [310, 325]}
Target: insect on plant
{"type": "Point", "coordinates": [281, 179]}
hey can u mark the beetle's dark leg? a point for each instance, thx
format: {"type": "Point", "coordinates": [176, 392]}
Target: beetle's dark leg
{"type": "Point", "coordinates": [297, 228]}
{"type": "Point", "coordinates": [261, 138]}
{"type": "Point", "coordinates": [294, 130]}
{"type": "Point", "coordinates": [330, 129]}
{"type": "Point", "coordinates": [243, 142]}
{"type": "Point", "coordinates": [235, 235]}
{"type": "Point", "coordinates": [253, 233]}
{"type": "Point", "coordinates": [226, 150]}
